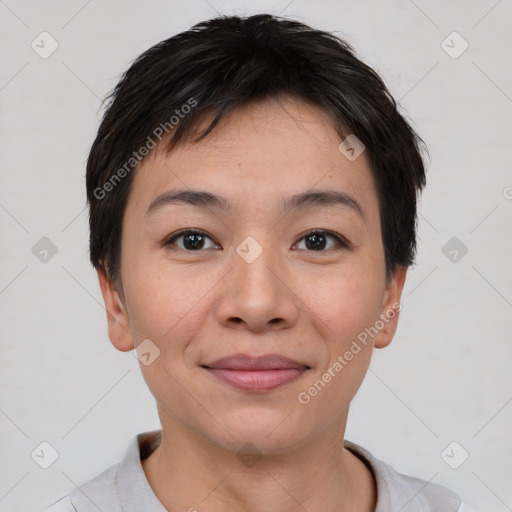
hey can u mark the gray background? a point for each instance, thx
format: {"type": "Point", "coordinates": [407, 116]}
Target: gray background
{"type": "Point", "coordinates": [446, 376]}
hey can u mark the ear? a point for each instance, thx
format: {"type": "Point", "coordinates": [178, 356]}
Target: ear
{"type": "Point", "coordinates": [118, 327]}
{"type": "Point", "coordinates": [390, 308]}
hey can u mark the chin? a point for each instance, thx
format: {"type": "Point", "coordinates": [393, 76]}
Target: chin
{"type": "Point", "coordinates": [269, 432]}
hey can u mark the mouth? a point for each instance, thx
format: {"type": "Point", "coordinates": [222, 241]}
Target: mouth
{"type": "Point", "coordinates": [260, 373]}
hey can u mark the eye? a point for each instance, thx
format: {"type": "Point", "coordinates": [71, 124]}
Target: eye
{"type": "Point", "coordinates": [316, 240]}
{"type": "Point", "coordinates": [193, 240]}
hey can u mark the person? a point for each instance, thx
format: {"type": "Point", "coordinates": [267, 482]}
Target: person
{"type": "Point", "coordinates": [253, 197]}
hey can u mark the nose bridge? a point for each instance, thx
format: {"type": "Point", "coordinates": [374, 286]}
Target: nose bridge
{"type": "Point", "coordinates": [256, 293]}
{"type": "Point", "coordinates": [255, 267]}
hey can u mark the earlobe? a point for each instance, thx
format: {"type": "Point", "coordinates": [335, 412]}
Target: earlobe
{"type": "Point", "coordinates": [117, 318]}
{"type": "Point", "coordinates": [390, 310]}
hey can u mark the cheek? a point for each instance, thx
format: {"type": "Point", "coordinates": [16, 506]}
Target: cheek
{"type": "Point", "coordinates": [167, 308]}
{"type": "Point", "coordinates": [164, 305]}
{"type": "Point", "coordinates": [347, 300]}
{"type": "Point", "coordinates": [347, 305]}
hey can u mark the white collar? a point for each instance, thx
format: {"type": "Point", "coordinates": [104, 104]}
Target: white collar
{"type": "Point", "coordinates": [395, 492]}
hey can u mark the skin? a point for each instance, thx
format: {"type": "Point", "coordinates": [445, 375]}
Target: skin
{"type": "Point", "coordinates": [305, 304]}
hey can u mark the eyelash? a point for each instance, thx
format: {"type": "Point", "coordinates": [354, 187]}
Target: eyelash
{"type": "Point", "coordinates": [341, 241]}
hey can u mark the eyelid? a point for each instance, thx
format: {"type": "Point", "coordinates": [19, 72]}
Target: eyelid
{"type": "Point", "coordinates": [343, 243]}
{"type": "Point", "coordinates": [186, 231]}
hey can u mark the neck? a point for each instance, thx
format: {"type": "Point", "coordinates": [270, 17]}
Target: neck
{"type": "Point", "coordinates": [189, 472]}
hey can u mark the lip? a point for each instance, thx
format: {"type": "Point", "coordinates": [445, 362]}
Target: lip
{"type": "Point", "coordinates": [256, 373]}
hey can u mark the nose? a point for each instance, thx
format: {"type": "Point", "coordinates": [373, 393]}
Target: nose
{"type": "Point", "coordinates": [257, 295]}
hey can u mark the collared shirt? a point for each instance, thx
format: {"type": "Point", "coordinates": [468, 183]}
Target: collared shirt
{"type": "Point", "coordinates": [124, 487]}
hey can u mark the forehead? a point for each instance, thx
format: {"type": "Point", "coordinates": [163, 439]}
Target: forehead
{"type": "Point", "coordinates": [259, 154]}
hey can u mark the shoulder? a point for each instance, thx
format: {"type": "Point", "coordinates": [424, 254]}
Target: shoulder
{"type": "Point", "coordinates": [99, 493]}
{"type": "Point", "coordinates": [61, 505]}
{"type": "Point", "coordinates": [122, 486]}
{"type": "Point", "coordinates": [418, 494]}
{"type": "Point", "coordinates": [396, 491]}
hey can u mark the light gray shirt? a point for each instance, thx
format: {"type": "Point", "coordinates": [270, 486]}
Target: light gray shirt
{"type": "Point", "coordinates": [124, 487]}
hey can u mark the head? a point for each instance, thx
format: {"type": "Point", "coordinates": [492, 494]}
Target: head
{"type": "Point", "coordinates": [304, 226]}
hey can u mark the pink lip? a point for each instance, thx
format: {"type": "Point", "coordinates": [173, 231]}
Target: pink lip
{"type": "Point", "coordinates": [256, 373]}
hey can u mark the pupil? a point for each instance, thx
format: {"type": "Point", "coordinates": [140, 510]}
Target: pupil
{"type": "Point", "coordinates": [318, 241]}
{"type": "Point", "coordinates": [194, 239]}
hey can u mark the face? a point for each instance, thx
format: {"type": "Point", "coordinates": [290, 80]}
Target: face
{"type": "Point", "coordinates": [254, 278]}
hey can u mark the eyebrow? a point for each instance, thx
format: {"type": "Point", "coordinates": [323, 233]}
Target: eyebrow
{"type": "Point", "coordinates": [305, 200]}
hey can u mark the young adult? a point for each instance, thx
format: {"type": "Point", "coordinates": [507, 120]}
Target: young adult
{"type": "Point", "coordinates": [252, 191]}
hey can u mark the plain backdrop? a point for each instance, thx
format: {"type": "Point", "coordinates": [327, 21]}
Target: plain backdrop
{"type": "Point", "coordinates": [445, 378]}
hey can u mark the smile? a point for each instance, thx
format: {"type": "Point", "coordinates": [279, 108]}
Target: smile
{"type": "Point", "coordinates": [261, 373]}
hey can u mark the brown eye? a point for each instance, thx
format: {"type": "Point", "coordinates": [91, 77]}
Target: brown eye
{"type": "Point", "coordinates": [318, 241]}
{"type": "Point", "coordinates": [192, 240]}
